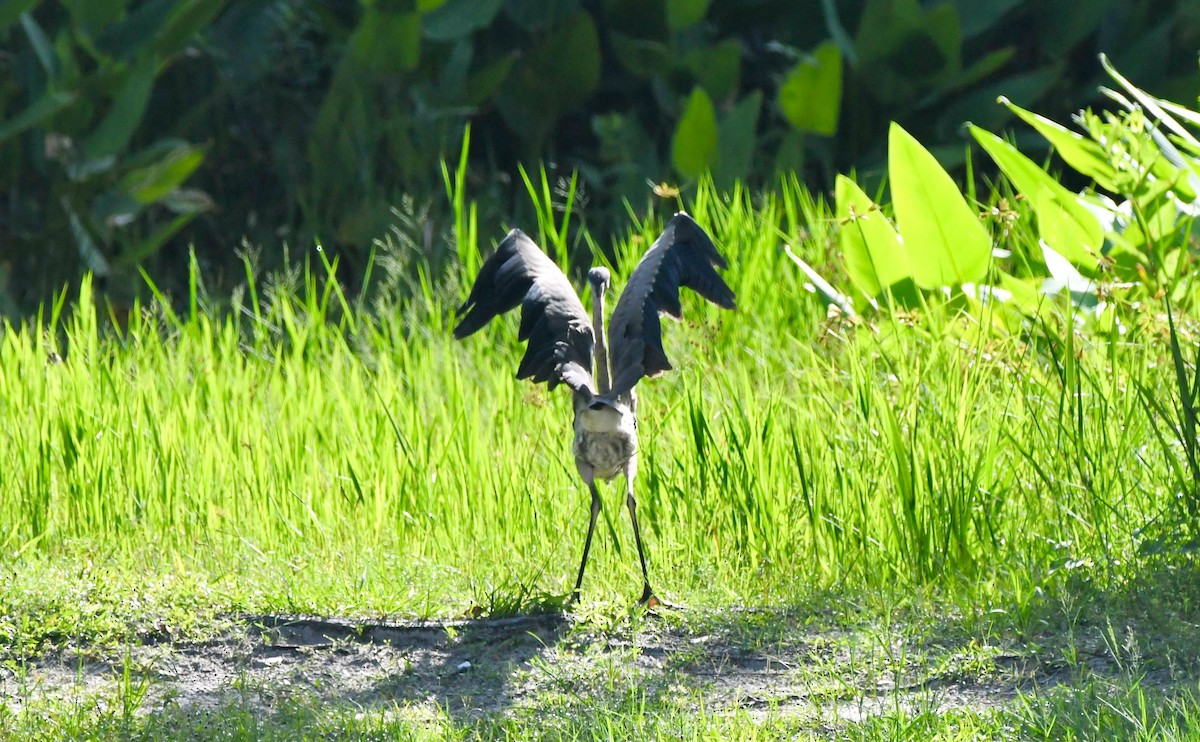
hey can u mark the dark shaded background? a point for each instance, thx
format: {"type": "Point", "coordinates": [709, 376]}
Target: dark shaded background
{"type": "Point", "coordinates": [135, 131]}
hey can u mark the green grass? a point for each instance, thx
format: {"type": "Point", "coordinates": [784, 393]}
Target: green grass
{"type": "Point", "coordinates": [306, 452]}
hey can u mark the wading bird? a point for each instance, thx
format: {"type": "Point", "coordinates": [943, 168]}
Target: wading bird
{"type": "Point", "coordinates": [563, 343]}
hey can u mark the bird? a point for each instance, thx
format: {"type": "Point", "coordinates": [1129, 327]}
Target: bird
{"type": "Point", "coordinates": [602, 369]}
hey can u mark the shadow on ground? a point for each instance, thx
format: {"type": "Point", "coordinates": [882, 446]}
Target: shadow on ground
{"type": "Point", "coordinates": [828, 672]}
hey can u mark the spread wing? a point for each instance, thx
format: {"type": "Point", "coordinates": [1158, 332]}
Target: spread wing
{"type": "Point", "coordinates": [553, 320]}
{"type": "Point", "coordinates": [683, 255]}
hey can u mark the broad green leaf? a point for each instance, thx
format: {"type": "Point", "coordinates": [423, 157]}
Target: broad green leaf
{"type": "Point", "coordinates": [152, 183]}
{"type": "Point", "coordinates": [163, 27]}
{"type": "Point", "coordinates": [385, 41]}
{"type": "Point", "coordinates": [684, 13]}
{"type": "Point", "coordinates": [455, 19]}
{"type": "Point", "coordinates": [45, 107]}
{"type": "Point", "coordinates": [1071, 229]}
{"type": "Point", "coordinates": [694, 146]}
{"type": "Point", "coordinates": [718, 67]}
{"type": "Point", "coordinates": [641, 57]}
{"type": "Point", "coordinates": [452, 78]}
{"type": "Point", "coordinates": [428, 6]}
{"type": "Point", "coordinates": [1064, 221]}
{"type": "Point", "coordinates": [875, 257]}
{"type": "Point", "coordinates": [736, 138]}
{"type": "Point", "coordinates": [567, 64]}
{"type": "Point", "coordinates": [1084, 154]}
{"type": "Point", "coordinates": [944, 239]}
{"type": "Point", "coordinates": [789, 157]}
{"type": "Point", "coordinates": [885, 26]}
{"type": "Point", "coordinates": [125, 113]}
{"type": "Point", "coordinates": [810, 97]}
{"type": "Point", "coordinates": [484, 83]}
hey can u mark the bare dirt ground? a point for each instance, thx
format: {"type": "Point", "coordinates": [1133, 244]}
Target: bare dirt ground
{"type": "Point", "coordinates": [471, 669]}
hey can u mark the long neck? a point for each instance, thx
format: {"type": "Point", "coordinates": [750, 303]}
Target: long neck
{"type": "Point", "coordinates": [602, 373]}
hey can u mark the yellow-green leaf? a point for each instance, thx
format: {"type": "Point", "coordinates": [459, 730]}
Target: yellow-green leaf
{"type": "Point", "coordinates": [152, 183]}
{"type": "Point", "coordinates": [944, 239]}
{"type": "Point", "coordinates": [1078, 151]}
{"type": "Point", "coordinates": [875, 257]}
{"type": "Point", "coordinates": [810, 97]}
{"type": "Point", "coordinates": [694, 146]}
{"type": "Point", "coordinates": [1063, 220]}
{"type": "Point", "coordinates": [684, 13]}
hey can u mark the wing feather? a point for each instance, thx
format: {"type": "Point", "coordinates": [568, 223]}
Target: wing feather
{"type": "Point", "coordinates": [683, 255]}
{"type": "Point", "coordinates": [554, 324]}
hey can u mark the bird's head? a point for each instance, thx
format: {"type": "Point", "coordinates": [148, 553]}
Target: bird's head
{"type": "Point", "coordinates": [598, 279]}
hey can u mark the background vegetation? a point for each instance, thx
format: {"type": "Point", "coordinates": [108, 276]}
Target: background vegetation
{"type": "Point", "coordinates": [131, 129]}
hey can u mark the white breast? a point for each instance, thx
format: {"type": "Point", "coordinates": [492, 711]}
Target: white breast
{"type": "Point", "coordinates": [602, 420]}
{"type": "Point", "coordinates": [605, 441]}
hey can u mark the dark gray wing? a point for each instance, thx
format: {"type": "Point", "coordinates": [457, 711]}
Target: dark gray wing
{"type": "Point", "coordinates": [683, 255]}
{"type": "Point", "coordinates": [553, 320]}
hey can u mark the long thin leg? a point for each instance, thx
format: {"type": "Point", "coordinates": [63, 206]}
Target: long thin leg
{"type": "Point", "coordinates": [647, 593]}
{"type": "Point", "coordinates": [587, 544]}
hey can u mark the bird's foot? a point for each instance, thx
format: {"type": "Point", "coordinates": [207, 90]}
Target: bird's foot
{"type": "Point", "coordinates": [648, 598]}
{"type": "Point", "coordinates": [651, 601]}
{"type": "Point", "coordinates": [571, 601]}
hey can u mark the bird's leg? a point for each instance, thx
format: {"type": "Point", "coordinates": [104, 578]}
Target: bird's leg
{"type": "Point", "coordinates": [647, 594]}
{"type": "Point", "coordinates": [587, 544]}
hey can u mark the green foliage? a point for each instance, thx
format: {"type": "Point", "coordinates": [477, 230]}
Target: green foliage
{"type": "Point", "coordinates": [108, 199]}
{"type": "Point", "coordinates": [1064, 220]}
{"type": "Point", "coordinates": [875, 257]}
{"type": "Point", "coordinates": [317, 119]}
{"type": "Point", "coordinates": [1110, 248]}
{"type": "Point", "coordinates": [810, 96]}
{"type": "Point", "coordinates": [694, 147]}
{"type": "Point", "coordinates": [945, 242]}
